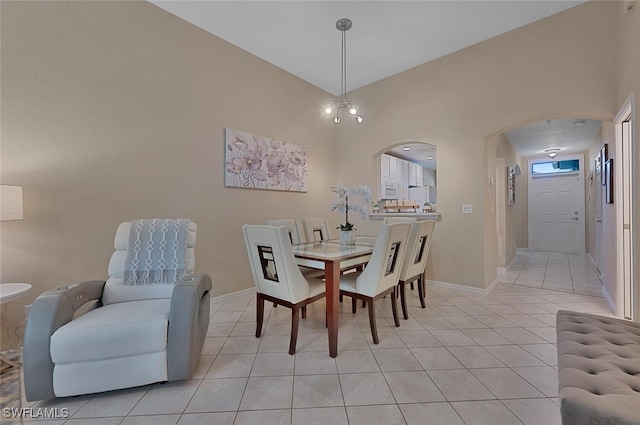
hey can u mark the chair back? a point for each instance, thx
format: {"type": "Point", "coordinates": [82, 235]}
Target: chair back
{"type": "Point", "coordinates": [391, 220]}
{"type": "Point", "coordinates": [115, 291]}
{"type": "Point", "coordinates": [316, 229]}
{"type": "Point", "coordinates": [274, 268]}
{"type": "Point", "coordinates": [294, 228]}
{"type": "Point", "coordinates": [418, 246]}
{"type": "Point", "coordinates": [384, 267]}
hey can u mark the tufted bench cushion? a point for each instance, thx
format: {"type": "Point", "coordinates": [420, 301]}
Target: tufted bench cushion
{"type": "Point", "coordinates": [598, 369]}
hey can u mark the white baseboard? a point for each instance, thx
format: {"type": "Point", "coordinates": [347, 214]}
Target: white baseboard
{"type": "Point", "coordinates": [225, 297]}
{"type": "Point", "coordinates": [609, 300]}
{"type": "Point", "coordinates": [465, 288]}
{"type": "Point", "coordinates": [503, 270]}
{"type": "Point", "coordinates": [489, 288]}
{"type": "Point", "coordinates": [595, 266]}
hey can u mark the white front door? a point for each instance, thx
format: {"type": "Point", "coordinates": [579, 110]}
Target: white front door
{"type": "Point", "coordinates": [556, 211]}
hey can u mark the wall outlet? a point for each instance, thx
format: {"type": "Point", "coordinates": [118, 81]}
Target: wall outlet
{"type": "Point", "coordinates": [467, 208]}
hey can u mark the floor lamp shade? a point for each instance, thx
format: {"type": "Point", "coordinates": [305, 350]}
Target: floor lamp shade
{"type": "Point", "coordinates": [10, 202]}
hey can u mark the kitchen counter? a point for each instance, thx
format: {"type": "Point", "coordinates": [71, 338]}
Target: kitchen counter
{"type": "Point", "coordinates": [417, 215]}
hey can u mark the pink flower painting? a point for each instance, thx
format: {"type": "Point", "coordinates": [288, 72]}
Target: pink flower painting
{"type": "Point", "coordinates": [257, 162]}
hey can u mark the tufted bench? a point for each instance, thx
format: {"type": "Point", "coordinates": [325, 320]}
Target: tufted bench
{"type": "Point", "coordinates": [598, 369]}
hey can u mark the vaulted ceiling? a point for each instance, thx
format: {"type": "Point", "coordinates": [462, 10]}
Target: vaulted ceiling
{"type": "Point", "coordinates": [387, 37]}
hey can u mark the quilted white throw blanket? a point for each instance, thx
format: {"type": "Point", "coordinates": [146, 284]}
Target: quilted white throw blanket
{"type": "Point", "coordinates": [156, 254]}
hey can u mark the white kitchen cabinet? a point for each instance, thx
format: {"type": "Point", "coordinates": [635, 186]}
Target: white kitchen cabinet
{"type": "Point", "coordinates": [384, 167]}
{"type": "Point", "coordinates": [415, 174]}
{"type": "Point", "coordinates": [393, 168]}
{"type": "Point", "coordinates": [404, 178]}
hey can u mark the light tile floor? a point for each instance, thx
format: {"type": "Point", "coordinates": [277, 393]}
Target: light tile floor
{"type": "Point", "coordinates": [553, 270]}
{"type": "Point", "coordinates": [466, 359]}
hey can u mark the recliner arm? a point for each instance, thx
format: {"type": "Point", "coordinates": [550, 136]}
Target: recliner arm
{"type": "Point", "coordinates": [50, 311]}
{"type": "Point", "coordinates": [188, 324]}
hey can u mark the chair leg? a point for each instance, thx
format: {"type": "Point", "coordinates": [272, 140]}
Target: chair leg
{"type": "Point", "coordinates": [295, 316]}
{"type": "Point", "coordinates": [340, 297]}
{"type": "Point", "coordinates": [421, 291]}
{"type": "Point", "coordinates": [394, 307]}
{"type": "Point", "coordinates": [354, 305]}
{"type": "Point", "coordinates": [372, 321]}
{"type": "Point", "coordinates": [403, 300]}
{"type": "Point", "coordinates": [304, 312]}
{"type": "Point", "coordinates": [275, 305]}
{"type": "Point", "coordinates": [259, 315]}
{"type": "Point", "coordinates": [412, 286]}
{"type": "Point", "coordinates": [364, 303]}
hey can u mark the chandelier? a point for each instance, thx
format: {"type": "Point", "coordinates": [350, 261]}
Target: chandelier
{"type": "Point", "coordinates": [343, 105]}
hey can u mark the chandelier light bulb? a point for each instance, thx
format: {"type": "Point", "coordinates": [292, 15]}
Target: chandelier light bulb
{"type": "Point", "coordinates": [329, 110]}
{"type": "Point", "coordinates": [353, 110]}
{"type": "Point", "coordinates": [336, 119]}
{"type": "Point", "coordinates": [359, 119]}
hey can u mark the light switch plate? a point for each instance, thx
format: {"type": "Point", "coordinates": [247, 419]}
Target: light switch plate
{"type": "Point", "coordinates": [467, 208]}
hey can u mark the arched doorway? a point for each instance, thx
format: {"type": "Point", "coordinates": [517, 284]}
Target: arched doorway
{"type": "Point", "coordinates": [405, 169]}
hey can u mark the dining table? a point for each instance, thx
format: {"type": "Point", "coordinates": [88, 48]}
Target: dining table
{"type": "Point", "coordinates": [332, 257]}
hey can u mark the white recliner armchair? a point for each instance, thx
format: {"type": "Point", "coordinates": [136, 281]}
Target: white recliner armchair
{"type": "Point", "coordinates": [145, 324]}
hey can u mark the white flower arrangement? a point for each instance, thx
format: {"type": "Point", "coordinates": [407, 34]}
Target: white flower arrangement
{"type": "Point", "coordinates": [346, 203]}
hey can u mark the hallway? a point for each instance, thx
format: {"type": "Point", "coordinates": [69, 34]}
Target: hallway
{"type": "Point", "coordinates": [553, 270]}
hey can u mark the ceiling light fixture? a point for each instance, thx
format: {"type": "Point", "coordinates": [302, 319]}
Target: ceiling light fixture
{"type": "Point", "coordinates": [552, 152]}
{"type": "Point", "coordinates": [406, 148]}
{"type": "Point", "coordinates": [342, 104]}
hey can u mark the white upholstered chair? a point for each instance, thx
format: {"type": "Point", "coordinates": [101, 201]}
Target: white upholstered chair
{"type": "Point", "coordinates": [277, 276]}
{"type": "Point", "coordinates": [294, 228]}
{"type": "Point", "coordinates": [391, 220]}
{"type": "Point", "coordinates": [415, 260]}
{"type": "Point", "coordinates": [380, 277]}
{"type": "Point", "coordinates": [99, 336]}
{"type": "Point", "coordinates": [316, 229]}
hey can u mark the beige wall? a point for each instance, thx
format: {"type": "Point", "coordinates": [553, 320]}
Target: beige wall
{"type": "Point", "coordinates": [609, 259]}
{"type": "Point", "coordinates": [113, 111]}
{"type": "Point", "coordinates": [593, 197]}
{"type": "Point", "coordinates": [505, 214]}
{"type": "Point", "coordinates": [561, 65]}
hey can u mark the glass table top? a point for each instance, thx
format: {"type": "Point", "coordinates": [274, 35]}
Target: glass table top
{"type": "Point", "coordinates": [330, 250]}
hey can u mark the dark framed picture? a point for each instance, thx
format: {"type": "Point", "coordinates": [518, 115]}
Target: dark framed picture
{"type": "Point", "coordinates": [604, 153]}
{"type": "Point", "coordinates": [511, 186]}
{"type": "Point", "coordinates": [598, 167]}
{"type": "Point", "coordinates": [608, 187]}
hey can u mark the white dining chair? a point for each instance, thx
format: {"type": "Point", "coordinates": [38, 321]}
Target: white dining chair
{"type": "Point", "coordinates": [277, 277]}
{"type": "Point", "coordinates": [296, 236]}
{"type": "Point", "coordinates": [294, 228]}
{"type": "Point", "coordinates": [415, 260]}
{"type": "Point", "coordinates": [391, 220]}
{"type": "Point", "coordinates": [380, 277]}
{"type": "Point", "coordinates": [316, 229]}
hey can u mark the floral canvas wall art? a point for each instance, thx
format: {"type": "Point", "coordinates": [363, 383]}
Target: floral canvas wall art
{"type": "Point", "coordinates": [258, 162]}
